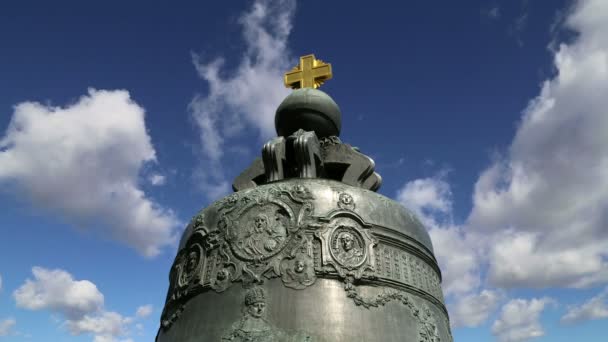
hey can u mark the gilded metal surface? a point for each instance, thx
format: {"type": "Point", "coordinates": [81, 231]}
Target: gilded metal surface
{"type": "Point", "coordinates": [310, 73]}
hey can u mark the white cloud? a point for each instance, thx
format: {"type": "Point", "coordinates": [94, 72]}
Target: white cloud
{"type": "Point", "coordinates": [431, 200]}
{"type": "Point", "coordinates": [57, 291]}
{"type": "Point", "coordinates": [427, 195]}
{"type": "Point", "coordinates": [473, 310]}
{"type": "Point", "coordinates": [6, 326]}
{"type": "Point", "coordinates": [594, 308]}
{"type": "Point", "coordinates": [157, 179]}
{"type": "Point", "coordinates": [249, 96]}
{"type": "Point", "coordinates": [106, 326]}
{"type": "Point", "coordinates": [519, 320]}
{"type": "Point", "coordinates": [83, 162]}
{"type": "Point", "coordinates": [459, 261]}
{"type": "Point", "coordinates": [79, 301]}
{"type": "Point", "coordinates": [539, 214]}
{"type": "Point", "coordinates": [144, 311]}
{"type": "Point", "coordinates": [550, 193]}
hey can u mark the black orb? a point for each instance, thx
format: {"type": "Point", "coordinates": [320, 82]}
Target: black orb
{"type": "Point", "coordinates": [311, 110]}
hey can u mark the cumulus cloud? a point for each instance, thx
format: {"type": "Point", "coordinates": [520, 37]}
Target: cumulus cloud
{"type": "Point", "coordinates": [519, 320]}
{"type": "Point", "coordinates": [431, 200]}
{"type": "Point", "coordinates": [237, 101]}
{"type": "Point", "coordinates": [144, 311]}
{"type": "Point", "coordinates": [83, 161]}
{"type": "Point", "coordinates": [106, 326]}
{"type": "Point", "coordinates": [57, 291]}
{"type": "Point", "coordinates": [459, 261]}
{"type": "Point", "coordinates": [426, 196]}
{"type": "Point", "coordinates": [456, 250]}
{"type": "Point", "coordinates": [594, 308]}
{"type": "Point", "coordinates": [473, 310]}
{"type": "Point", "coordinates": [540, 212]}
{"type": "Point", "coordinates": [547, 200]}
{"type": "Point", "coordinates": [6, 326]}
{"type": "Point", "coordinates": [79, 301]}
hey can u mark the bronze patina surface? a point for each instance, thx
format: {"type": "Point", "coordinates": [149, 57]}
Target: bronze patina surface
{"type": "Point", "coordinates": [305, 249]}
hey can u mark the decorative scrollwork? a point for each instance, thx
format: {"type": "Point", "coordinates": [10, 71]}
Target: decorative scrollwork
{"type": "Point", "coordinates": [198, 222]}
{"type": "Point", "coordinates": [329, 141]}
{"type": "Point", "coordinates": [427, 326]}
{"type": "Point", "coordinates": [259, 233]}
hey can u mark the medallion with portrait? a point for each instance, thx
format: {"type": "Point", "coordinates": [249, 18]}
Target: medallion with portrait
{"type": "Point", "coordinates": [262, 230]}
{"type": "Point", "coordinates": [190, 267]}
{"type": "Point", "coordinates": [347, 246]}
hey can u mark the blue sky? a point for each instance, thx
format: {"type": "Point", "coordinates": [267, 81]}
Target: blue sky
{"type": "Point", "coordinates": [120, 120]}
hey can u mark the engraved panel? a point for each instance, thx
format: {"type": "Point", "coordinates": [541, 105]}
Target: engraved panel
{"type": "Point", "coordinates": [398, 265]}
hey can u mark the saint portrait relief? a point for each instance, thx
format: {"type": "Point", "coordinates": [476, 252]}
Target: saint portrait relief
{"type": "Point", "coordinates": [347, 246]}
{"type": "Point", "coordinates": [254, 325]}
{"type": "Point", "coordinates": [263, 232]}
{"type": "Point", "coordinates": [190, 266]}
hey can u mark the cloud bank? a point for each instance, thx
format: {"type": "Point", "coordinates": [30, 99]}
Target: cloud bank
{"type": "Point", "coordinates": [519, 320]}
{"type": "Point", "coordinates": [594, 308]}
{"type": "Point", "coordinates": [83, 161]}
{"type": "Point", "coordinates": [540, 212]}
{"type": "Point", "coordinates": [550, 194]}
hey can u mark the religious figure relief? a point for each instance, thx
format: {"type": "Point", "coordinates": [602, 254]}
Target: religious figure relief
{"type": "Point", "coordinates": [427, 327]}
{"type": "Point", "coordinates": [346, 201]}
{"type": "Point", "coordinates": [190, 266]}
{"type": "Point", "coordinates": [347, 246]}
{"type": "Point", "coordinates": [223, 279]}
{"type": "Point", "coordinates": [255, 327]}
{"type": "Point", "coordinates": [263, 235]}
{"type": "Point", "coordinates": [299, 271]}
{"type": "Point", "coordinates": [254, 233]}
{"type": "Point", "coordinates": [261, 230]}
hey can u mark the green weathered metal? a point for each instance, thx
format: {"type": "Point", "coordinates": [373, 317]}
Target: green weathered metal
{"type": "Point", "coordinates": [305, 250]}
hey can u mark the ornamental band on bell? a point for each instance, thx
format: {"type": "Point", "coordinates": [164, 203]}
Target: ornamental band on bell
{"type": "Point", "coordinates": [304, 249]}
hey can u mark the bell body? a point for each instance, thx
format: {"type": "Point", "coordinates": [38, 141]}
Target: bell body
{"type": "Point", "coordinates": [305, 260]}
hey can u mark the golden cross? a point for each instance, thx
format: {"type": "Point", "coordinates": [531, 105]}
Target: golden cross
{"type": "Point", "coordinates": [310, 73]}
